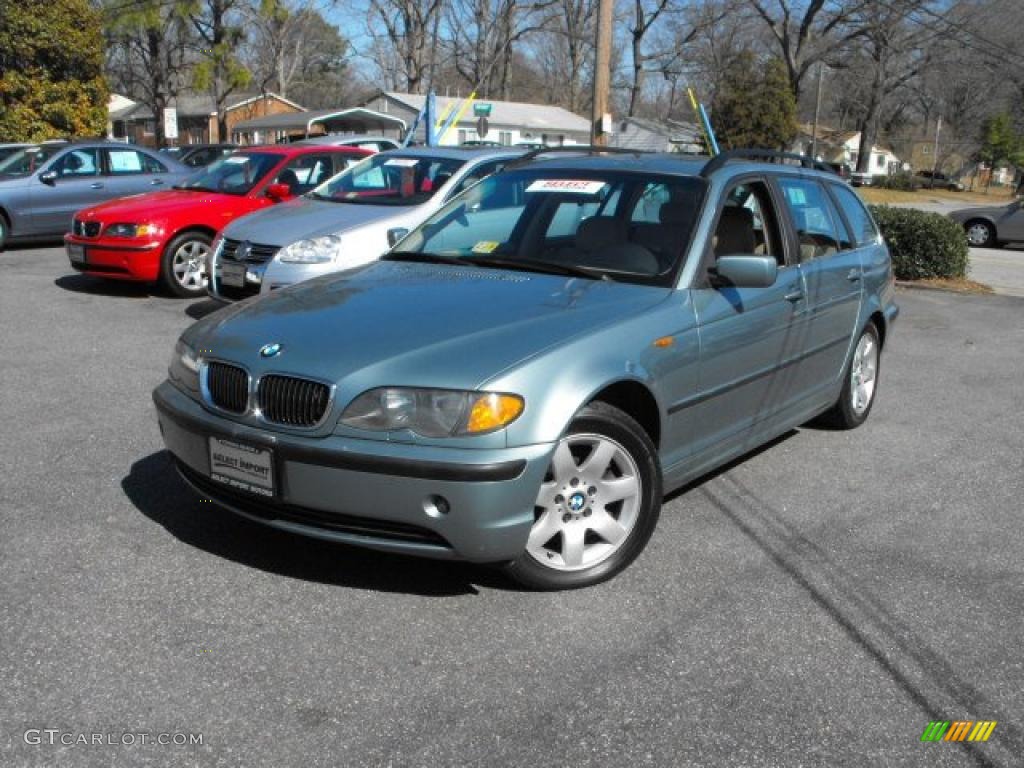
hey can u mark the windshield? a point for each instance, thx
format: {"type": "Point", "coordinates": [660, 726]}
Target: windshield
{"type": "Point", "coordinates": [390, 180]}
{"type": "Point", "coordinates": [233, 174]}
{"type": "Point", "coordinates": [616, 225]}
{"type": "Point", "coordinates": [26, 161]}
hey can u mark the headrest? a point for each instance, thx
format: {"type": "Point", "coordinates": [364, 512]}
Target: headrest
{"type": "Point", "coordinates": [598, 231]}
{"type": "Point", "coordinates": [735, 232]}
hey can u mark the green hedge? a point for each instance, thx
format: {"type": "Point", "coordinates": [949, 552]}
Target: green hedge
{"type": "Point", "coordinates": [901, 181]}
{"type": "Point", "coordinates": [922, 244]}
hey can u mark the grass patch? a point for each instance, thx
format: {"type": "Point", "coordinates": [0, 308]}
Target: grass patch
{"type": "Point", "coordinates": [877, 196]}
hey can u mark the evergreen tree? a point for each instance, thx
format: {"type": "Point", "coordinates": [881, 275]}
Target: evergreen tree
{"type": "Point", "coordinates": [51, 70]}
{"type": "Point", "coordinates": [754, 105]}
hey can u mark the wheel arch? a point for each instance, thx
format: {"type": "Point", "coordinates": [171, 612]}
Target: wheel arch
{"type": "Point", "coordinates": [635, 399]}
{"type": "Point", "coordinates": [203, 228]}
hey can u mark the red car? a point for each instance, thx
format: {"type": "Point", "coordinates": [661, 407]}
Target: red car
{"type": "Point", "coordinates": [165, 236]}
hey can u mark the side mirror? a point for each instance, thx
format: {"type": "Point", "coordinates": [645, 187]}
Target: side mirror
{"type": "Point", "coordinates": [746, 270]}
{"type": "Point", "coordinates": [48, 177]}
{"type": "Point", "coordinates": [396, 234]}
{"type": "Point", "coordinates": [279, 192]}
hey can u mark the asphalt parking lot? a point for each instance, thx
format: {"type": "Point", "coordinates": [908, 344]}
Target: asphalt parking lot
{"type": "Point", "coordinates": [816, 604]}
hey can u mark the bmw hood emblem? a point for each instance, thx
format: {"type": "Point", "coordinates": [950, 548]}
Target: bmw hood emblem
{"type": "Point", "coordinates": [271, 350]}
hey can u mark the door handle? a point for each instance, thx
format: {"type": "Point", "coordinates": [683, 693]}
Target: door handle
{"type": "Point", "coordinates": [853, 275]}
{"type": "Point", "coordinates": [96, 185]}
{"type": "Point", "coordinates": [156, 182]}
{"type": "Point", "coordinates": [794, 296]}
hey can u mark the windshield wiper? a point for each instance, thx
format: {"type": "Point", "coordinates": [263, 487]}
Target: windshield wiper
{"type": "Point", "coordinates": [424, 257]}
{"type": "Point", "coordinates": [194, 189]}
{"type": "Point", "coordinates": [532, 265]}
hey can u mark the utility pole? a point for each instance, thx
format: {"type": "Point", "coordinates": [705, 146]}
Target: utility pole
{"type": "Point", "coordinates": [817, 111]}
{"type": "Point", "coordinates": [935, 151]}
{"type": "Point", "coordinates": [601, 123]}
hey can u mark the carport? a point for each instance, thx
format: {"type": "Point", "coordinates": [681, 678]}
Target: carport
{"type": "Point", "coordinates": [276, 128]}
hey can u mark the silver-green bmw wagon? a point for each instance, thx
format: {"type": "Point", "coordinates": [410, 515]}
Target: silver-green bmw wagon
{"type": "Point", "coordinates": [523, 376]}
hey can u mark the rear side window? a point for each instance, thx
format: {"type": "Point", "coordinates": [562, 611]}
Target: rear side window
{"type": "Point", "coordinates": [814, 217]}
{"type": "Point", "coordinates": [864, 230]}
{"type": "Point", "coordinates": [128, 161]}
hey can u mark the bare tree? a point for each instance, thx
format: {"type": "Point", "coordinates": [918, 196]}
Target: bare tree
{"type": "Point", "coordinates": [805, 32]}
{"type": "Point", "coordinates": [146, 55]}
{"type": "Point", "coordinates": [219, 69]}
{"type": "Point", "coordinates": [293, 47]}
{"type": "Point", "coordinates": [410, 31]}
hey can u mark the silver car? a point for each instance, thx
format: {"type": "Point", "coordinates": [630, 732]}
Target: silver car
{"type": "Point", "coordinates": [349, 220]}
{"type": "Point", "coordinates": [992, 226]}
{"type": "Point", "coordinates": [42, 186]}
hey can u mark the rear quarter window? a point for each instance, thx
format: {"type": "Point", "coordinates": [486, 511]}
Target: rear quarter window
{"type": "Point", "coordinates": [864, 230]}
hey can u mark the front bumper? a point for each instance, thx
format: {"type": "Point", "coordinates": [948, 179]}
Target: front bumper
{"type": "Point", "coordinates": [120, 260]}
{"type": "Point", "coordinates": [370, 493]}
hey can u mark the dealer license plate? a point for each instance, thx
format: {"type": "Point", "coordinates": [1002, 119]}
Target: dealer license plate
{"type": "Point", "coordinates": [76, 253]}
{"type": "Point", "coordinates": [233, 274]}
{"type": "Point", "coordinates": [242, 466]}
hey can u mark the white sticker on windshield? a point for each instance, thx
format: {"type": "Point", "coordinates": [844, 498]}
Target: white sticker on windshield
{"type": "Point", "coordinates": [579, 186]}
{"type": "Point", "coordinates": [236, 159]}
{"type": "Point", "coordinates": [402, 162]}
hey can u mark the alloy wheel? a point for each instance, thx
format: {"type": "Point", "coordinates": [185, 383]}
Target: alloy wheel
{"type": "Point", "coordinates": [587, 505]}
{"type": "Point", "coordinates": [189, 265]}
{"type": "Point", "coordinates": [862, 374]}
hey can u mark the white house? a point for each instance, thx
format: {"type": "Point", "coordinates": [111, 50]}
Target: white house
{"type": "Point", "coordinates": [835, 146]}
{"type": "Point", "coordinates": [509, 122]}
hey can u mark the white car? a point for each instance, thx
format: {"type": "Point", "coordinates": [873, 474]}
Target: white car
{"type": "Point", "coordinates": [351, 219]}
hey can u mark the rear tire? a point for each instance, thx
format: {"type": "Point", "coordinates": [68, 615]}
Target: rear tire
{"type": "Point", "coordinates": [3, 232]}
{"type": "Point", "coordinates": [183, 264]}
{"type": "Point", "coordinates": [598, 505]}
{"type": "Point", "coordinates": [860, 383]}
{"type": "Point", "coordinates": [980, 234]}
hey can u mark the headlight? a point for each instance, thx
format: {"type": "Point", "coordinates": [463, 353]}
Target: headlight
{"type": "Point", "coordinates": [184, 367]}
{"type": "Point", "coordinates": [432, 412]}
{"type": "Point", "coordinates": [318, 250]}
{"type": "Point", "coordinates": [129, 230]}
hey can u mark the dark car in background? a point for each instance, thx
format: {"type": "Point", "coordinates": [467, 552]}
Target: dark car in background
{"type": "Point", "coordinates": [42, 186]}
{"type": "Point", "coordinates": [199, 155]}
{"type": "Point", "coordinates": [937, 180]}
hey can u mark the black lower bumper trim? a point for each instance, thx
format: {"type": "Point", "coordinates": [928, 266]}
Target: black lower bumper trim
{"type": "Point", "coordinates": [359, 526]}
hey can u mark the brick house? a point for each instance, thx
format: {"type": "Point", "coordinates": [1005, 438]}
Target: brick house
{"type": "Point", "coordinates": [197, 117]}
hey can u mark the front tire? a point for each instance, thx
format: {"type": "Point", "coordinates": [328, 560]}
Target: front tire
{"type": "Point", "coordinates": [597, 506]}
{"type": "Point", "coordinates": [980, 234]}
{"type": "Point", "coordinates": [183, 264]}
{"type": "Point", "coordinates": [860, 382]}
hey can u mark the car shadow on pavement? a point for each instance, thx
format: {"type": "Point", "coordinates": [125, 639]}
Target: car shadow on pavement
{"type": "Point", "coordinates": [156, 490]}
{"type": "Point", "coordinates": [97, 286]}
{"type": "Point", "coordinates": [926, 677]}
{"type": "Point", "coordinates": [197, 310]}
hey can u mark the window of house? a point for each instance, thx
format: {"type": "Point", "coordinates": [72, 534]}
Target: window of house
{"type": "Point", "coordinates": [880, 161]}
{"type": "Point", "coordinates": [463, 136]}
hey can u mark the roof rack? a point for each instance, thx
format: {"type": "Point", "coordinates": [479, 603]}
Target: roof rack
{"type": "Point", "coordinates": [590, 149]}
{"type": "Point", "coordinates": [766, 155]}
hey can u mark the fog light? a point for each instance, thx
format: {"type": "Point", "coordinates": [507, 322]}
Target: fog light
{"type": "Point", "coordinates": [436, 506]}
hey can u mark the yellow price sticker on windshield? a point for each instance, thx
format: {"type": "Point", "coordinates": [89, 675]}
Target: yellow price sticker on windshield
{"type": "Point", "coordinates": [485, 246]}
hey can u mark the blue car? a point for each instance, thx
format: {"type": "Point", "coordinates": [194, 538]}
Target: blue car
{"type": "Point", "coordinates": [524, 375]}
